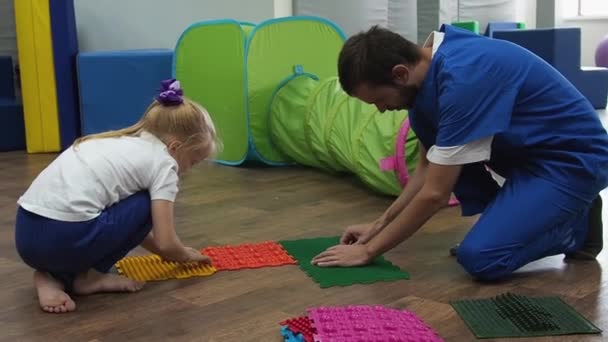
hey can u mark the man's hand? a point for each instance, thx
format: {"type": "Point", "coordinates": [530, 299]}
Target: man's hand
{"type": "Point", "coordinates": [343, 255]}
{"type": "Point", "coordinates": [434, 194]}
{"type": "Point", "coordinates": [360, 233]}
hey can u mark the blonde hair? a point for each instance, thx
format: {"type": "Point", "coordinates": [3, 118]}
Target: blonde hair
{"type": "Point", "coordinates": [187, 122]}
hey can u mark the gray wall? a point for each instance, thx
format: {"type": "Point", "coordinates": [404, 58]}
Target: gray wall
{"type": "Point", "coordinates": [8, 42]}
{"type": "Point", "coordinates": [136, 24]}
{"type": "Point", "coordinates": [593, 30]}
{"type": "Point", "coordinates": [133, 24]}
{"type": "Point", "coordinates": [359, 15]}
{"type": "Point", "coordinates": [414, 19]}
{"type": "Point", "coordinates": [8, 37]}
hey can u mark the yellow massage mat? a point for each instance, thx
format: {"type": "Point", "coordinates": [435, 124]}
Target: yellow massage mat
{"type": "Point", "coordinates": [152, 267]}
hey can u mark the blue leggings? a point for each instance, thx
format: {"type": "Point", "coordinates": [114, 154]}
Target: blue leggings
{"type": "Point", "coordinates": [65, 249]}
{"type": "Point", "coordinates": [528, 219]}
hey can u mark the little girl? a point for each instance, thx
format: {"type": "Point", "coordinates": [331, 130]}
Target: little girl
{"type": "Point", "coordinates": [107, 194]}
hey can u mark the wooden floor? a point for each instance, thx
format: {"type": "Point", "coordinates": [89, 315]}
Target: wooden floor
{"type": "Point", "coordinates": [225, 205]}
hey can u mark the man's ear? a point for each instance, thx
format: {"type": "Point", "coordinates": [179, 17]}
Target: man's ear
{"type": "Point", "coordinates": [401, 74]}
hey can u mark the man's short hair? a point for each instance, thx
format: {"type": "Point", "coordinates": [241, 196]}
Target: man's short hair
{"type": "Point", "coordinates": [369, 57]}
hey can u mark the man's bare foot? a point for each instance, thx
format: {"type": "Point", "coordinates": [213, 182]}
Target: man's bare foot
{"type": "Point", "coordinates": [95, 282]}
{"type": "Point", "coordinates": [51, 296]}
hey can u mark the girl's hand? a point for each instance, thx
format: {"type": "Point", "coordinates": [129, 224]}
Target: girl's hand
{"type": "Point", "coordinates": [166, 241]}
{"type": "Point", "coordinates": [194, 255]}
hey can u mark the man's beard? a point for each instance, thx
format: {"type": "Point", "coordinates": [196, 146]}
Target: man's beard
{"type": "Point", "coordinates": [408, 96]}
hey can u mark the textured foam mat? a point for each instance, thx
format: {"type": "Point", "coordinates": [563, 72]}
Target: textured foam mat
{"type": "Point", "coordinates": [152, 267]}
{"type": "Point", "coordinates": [369, 323]}
{"type": "Point", "coordinates": [290, 336]}
{"type": "Point", "coordinates": [511, 315]}
{"type": "Point", "coordinates": [305, 249]}
{"type": "Point", "coordinates": [300, 325]}
{"type": "Point", "coordinates": [248, 255]}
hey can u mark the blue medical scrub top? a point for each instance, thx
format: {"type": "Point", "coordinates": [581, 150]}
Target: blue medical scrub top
{"type": "Point", "coordinates": [542, 125]}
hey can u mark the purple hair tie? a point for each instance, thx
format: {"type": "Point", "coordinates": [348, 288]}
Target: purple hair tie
{"type": "Point", "coordinates": [171, 93]}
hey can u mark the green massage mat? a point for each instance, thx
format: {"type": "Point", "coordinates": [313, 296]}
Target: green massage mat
{"type": "Point", "coordinates": [303, 250]}
{"type": "Point", "coordinates": [510, 315]}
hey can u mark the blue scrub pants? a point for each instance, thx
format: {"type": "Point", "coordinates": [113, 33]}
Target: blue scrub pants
{"type": "Point", "coordinates": [65, 249]}
{"type": "Point", "coordinates": [527, 219]}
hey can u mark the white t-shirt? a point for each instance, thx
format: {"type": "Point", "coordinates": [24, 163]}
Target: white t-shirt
{"type": "Point", "coordinates": [81, 182]}
{"type": "Point", "coordinates": [473, 152]}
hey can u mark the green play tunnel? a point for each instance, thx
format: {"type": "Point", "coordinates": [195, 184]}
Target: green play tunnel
{"type": "Point", "coordinates": [272, 92]}
{"type": "Point", "coordinates": [317, 124]}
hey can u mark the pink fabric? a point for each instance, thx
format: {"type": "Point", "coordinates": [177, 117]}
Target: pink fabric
{"type": "Point", "coordinates": [388, 163]}
{"type": "Point", "coordinates": [453, 201]}
{"type": "Point", "coordinates": [402, 172]}
{"type": "Point", "coordinates": [397, 161]}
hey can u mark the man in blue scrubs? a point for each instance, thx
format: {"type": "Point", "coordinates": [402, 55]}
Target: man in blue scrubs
{"type": "Point", "coordinates": [501, 129]}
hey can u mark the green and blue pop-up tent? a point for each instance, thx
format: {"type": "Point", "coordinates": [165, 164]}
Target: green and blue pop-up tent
{"type": "Point", "coordinates": [273, 94]}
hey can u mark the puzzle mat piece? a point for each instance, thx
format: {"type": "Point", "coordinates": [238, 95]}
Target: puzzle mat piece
{"type": "Point", "coordinates": [290, 336]}
{"type": "Point", "coordinates": [304, 250]}
{"type": "Point", "coordinates": [248, 255]}
{"type": "Point", "coordinates": [300, 325]}
{"type": "Point", "coordinates": [369, 323]}
{"type": "Point", "coordinates": [510, 315]}
{"type": "Point", "coordinates": [152, 267]}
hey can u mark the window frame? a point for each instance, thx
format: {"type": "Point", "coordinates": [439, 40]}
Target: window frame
{"type": "Point", "coordinates": [580, 15]}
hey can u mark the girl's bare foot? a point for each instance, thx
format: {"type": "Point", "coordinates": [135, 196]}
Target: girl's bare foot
{"type": "Point", "coordinates": [51, 296]}
{"type": "Point", "coordinates": [95, 282]}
